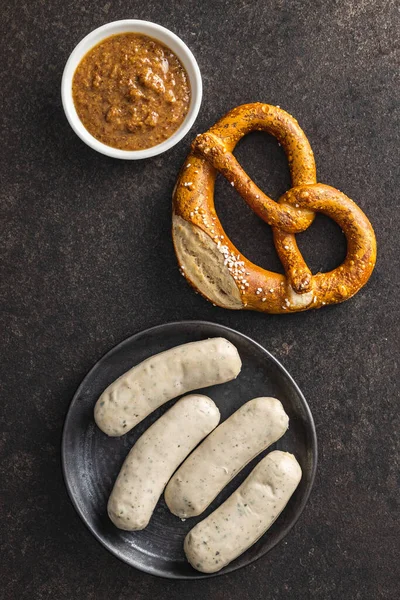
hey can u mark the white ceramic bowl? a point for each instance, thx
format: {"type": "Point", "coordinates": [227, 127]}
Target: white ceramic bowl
{"type": "Point", "coordinates": [164, 36]}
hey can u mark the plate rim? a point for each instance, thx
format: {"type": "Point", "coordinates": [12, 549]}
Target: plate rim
{"type": "Point", "coordinates": [230, 567]}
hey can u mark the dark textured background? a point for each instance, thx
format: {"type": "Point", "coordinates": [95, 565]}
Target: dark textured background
{"type": "Point", "coordinates": [88, 260]}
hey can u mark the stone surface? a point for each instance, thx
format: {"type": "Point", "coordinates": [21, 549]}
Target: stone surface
{"type": "Point", "coordinates": [88, 260]}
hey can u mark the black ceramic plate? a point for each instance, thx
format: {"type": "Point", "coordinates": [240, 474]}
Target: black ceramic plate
{"type": "Point", "coordinates": [91, 460]}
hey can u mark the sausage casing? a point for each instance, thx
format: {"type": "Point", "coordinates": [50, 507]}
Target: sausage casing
{"type": "Point", "coordinates": [155, 456]}
{"type": "Point", "coordinates": [164, 376]}
{"type": "Point", "coordinates": [250, 430]}
{"type": "Point", "coordinates": [245, 516]}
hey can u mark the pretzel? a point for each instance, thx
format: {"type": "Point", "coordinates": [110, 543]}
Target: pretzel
{"type": "Point", "coordinates": [217, 269]}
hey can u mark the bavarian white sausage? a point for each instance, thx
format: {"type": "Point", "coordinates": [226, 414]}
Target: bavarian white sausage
{"type": "Point", "coordinates": [245, 516]}
{"type": "Point", "coordinates": [250, 430]}
{"type": "Point", "coordinates": [155, 456]}
{"type": "Point", "coordinates": [162, 377]}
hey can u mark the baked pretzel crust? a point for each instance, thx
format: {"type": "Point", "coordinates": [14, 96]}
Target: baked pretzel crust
{"type": "Point", "coordinates": [217, 269]}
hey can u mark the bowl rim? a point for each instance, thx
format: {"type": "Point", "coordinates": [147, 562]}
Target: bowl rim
{"type": "Point", "coordinates": [159, 33]}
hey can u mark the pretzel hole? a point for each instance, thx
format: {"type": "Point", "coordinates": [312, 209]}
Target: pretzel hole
{"type": "Point", "coordinates": [323, 245]}
{"type": "Point", "coordinates": [265, 163]}
{"type": "Point", "coordinates": [247, 231]}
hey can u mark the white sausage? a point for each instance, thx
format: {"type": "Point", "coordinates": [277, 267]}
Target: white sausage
{"type": "Point", "coordinates": [162, 377]}
{"type": "Point", "coordinates": [250, 430]}
{"type": "Point", "coordinates": [245, 516]}
{"type": "Point", "coordinates": [155, 456]}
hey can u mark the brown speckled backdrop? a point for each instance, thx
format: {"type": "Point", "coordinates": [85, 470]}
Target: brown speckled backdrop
{"type": "Point", "coordinates": [88, 260]}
